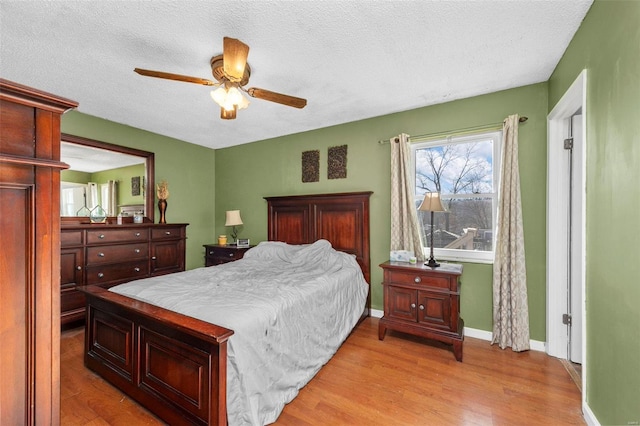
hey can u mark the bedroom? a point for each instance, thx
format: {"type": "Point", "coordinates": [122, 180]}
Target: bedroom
{"type": "Point", "coordinates": [606, 45]}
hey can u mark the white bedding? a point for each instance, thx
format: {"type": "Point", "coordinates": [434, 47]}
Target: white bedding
{"type": "Point", "coordinates": [290, 308]}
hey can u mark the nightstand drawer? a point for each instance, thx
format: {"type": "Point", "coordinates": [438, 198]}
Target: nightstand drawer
{"type": "Point", "coordinates": [216, 254]}
{"type": "Point", "coordinates": [419, 278]}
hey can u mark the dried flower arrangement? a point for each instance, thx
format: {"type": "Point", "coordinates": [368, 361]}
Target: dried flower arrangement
{"type": "Point", "coordinates": [162, 190]}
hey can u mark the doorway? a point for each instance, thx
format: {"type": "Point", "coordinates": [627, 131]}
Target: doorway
{"type": "Point", "coordinates": [566, 197]}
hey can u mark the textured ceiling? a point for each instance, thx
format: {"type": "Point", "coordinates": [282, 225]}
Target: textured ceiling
{"type": "Point", "coordinates": [350, 59]}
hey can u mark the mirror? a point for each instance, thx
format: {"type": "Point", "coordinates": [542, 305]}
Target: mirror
{"type": "Point", "coordinates": [113, 177]}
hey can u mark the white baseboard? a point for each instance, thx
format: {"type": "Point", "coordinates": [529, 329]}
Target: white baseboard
{"type": "Point", "coordinates": [376, 313]}
{"type": "Point", "coordinates": [535, 345]}
{"type": "Point", "coordinates": [588, 415]}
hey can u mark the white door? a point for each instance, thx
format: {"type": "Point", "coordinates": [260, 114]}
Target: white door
{"type": "Point", "coordinates": [575, 235]}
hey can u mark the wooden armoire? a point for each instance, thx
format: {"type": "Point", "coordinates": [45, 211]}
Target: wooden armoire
{"type": "Point", "coordinates": [30, 254]}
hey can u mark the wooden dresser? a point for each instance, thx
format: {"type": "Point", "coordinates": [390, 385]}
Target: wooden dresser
{"type": "Point", "coordinates": [106, 255]}
{"type": "Point", "coordinates": [215, 254]}
{"type": "Point", "coordinates": [30, 254]}
{"type": "Point", "coordinates": [423, 301]}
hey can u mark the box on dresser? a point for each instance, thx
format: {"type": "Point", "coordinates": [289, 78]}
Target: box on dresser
{"type": "Point", "coordinates": [109, 254]}
{"type": "Point", "coordinates": [423, 301]}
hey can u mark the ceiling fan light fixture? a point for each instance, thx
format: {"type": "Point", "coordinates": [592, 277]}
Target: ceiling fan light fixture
{"type": "Point", "coordinates": [229, 98]}
{"type": "Point", "coordinates": [226, 114]}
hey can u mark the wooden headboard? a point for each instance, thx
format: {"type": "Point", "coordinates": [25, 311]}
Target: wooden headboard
{"type": "Point", "coordinates": [342, 219]}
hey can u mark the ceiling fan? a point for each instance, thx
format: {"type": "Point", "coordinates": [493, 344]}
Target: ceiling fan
{"type": "Point", "coordinates": [232, 73]}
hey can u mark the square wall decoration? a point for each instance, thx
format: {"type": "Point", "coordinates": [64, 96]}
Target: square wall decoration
{"type": "Point", "coordinates": [337, 162]}
{"type": "Point", "coordinates": [311, 166]}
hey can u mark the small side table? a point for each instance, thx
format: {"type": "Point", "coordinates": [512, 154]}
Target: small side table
{"type": "Point", "coordinates": [215, 254]}
{"type": "Point", "coordinates": [423, 301]}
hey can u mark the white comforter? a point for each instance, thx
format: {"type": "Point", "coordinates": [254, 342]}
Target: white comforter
{"type": "Point", "coordinates": [291, 307]}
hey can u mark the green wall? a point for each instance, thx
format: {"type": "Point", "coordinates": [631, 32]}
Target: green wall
{"type": "Point", "coordinates": [608, 46]}
{"type": "Point", "coordinates": [123, 175]}
{"type": "Point", "coordinates": [187, 167]}
{"type": "Point", "coordinates": [272, 167]}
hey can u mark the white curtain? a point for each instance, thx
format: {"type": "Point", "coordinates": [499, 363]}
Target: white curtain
{"type": "Point", "coordinates": [92, 195]}
{"type": "Point", "coordinates": [510, 303]}
{"type": "Point", "coordinates": [405, 233]}
{"type": "Point", "coordinates": [109, 197]}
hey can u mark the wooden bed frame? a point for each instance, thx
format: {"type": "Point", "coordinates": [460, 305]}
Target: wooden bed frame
{"type": "Point", "coordinates": [175, 365]}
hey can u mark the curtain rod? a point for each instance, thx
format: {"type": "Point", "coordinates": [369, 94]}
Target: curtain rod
{"type": "Point", "coordinates": [457, 132]}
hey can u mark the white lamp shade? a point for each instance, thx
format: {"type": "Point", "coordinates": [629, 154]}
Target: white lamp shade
{"type": "Point", "coordinates": [233, 218]}
{"type": "Point", "coordinates": [431, 203]}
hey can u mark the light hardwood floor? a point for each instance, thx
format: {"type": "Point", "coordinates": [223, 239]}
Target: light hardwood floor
{"type": "Point", "coordinates": [400, 381]}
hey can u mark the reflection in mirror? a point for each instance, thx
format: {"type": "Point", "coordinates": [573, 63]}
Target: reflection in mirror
{"type": "Point", "coordinates": [103, 178]}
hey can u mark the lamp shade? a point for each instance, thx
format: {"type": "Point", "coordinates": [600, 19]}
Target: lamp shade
{"type": "Point", "coordinates": [233, 218]}
{"type": "Point", "coordinates": [431, 203]}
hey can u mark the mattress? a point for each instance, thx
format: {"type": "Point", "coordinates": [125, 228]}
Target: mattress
{"type": "Point", "coordinates": [290, 307]}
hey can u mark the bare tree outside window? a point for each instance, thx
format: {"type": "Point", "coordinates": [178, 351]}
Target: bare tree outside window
{"type": "Point", "coordinates": [464, 171]}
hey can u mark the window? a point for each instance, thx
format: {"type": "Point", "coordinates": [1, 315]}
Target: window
{"type": "Point", "coordinates": [465, 170]}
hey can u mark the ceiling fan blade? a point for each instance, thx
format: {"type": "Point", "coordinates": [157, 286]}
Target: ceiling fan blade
{"type": "Point", "coordinates": [234, 60]}
{"type": "Point", "coordinates": [268, 95]}
{"type": "Point", "coordinates": [176, 77]}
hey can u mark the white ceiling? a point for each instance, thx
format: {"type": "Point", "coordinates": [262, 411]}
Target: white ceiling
{"type": "Point", "coordinates": [350, 59]}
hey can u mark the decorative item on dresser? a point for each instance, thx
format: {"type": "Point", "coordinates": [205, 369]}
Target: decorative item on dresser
{"type": "Point", "coordinates": [107, 255]}
{"type": "Point", "coordinates": [216, 254]}
{"type": "Point", "coordinates": [30, 242]}
{"type": "Point", "coordinates": [423, 301]}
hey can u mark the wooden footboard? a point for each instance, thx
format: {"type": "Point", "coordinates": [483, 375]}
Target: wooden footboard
{"type": "Point", "coordinates": [174, 365]}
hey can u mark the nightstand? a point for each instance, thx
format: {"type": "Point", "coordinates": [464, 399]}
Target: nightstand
{"type": "Point", "coordinates": [215, 254]}
{"type": "Point", "coordinates": [423, 301]}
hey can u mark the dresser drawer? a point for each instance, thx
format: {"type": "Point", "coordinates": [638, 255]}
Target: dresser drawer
{"type": "Point", "coordinates": [71, 238]}
{"type": "Point", "coordinates": [117, 253]}
{"type": "Point", "coordinates": [418, 278]}
{"type": "Point", "coordinates": [121, 272]}
{"type": "Point", "coordinates": [166, 232]}
{"type": "Point", "coordinates": [99, 236]}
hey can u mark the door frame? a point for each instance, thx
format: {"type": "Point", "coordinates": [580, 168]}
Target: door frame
{"type": "Point", "coordinates": [572, 101]}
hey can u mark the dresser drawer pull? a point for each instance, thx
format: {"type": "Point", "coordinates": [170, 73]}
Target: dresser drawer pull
{"type": "Point", "coordinates": [79, 268]}
{"type": "Point", "coordinates": [136, 269]}
{"type": "Point", "coordinates": [422, 307]}
{"type": "Point", "coordinates": [137, 250]}
{"type": "Point", "coordinates": [137, 234]}
{"type": "Point", "coordinates": [413, 306]}
{"type": "Point", "coordinates": [153, 258]}
{"type": "Point", "coordinates": [417, 279]}
{"type": "Point", "coordinates": [100, 254]}
{"type": "Point", "coordinates": [167, 232]}
{"type": "Point", "coordinates": [230, 254]}
{"type": "Point", "coordinates": [101, 236]}
{"type": "Point", "coordinates": [211, 253]}
{"type": "Point", "coordinates": [100, 275]}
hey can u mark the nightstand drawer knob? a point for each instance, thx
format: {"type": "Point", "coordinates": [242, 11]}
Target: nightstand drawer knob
{"type": "Point", "coordinates": [137, 234]}
{"type": "Point", "coordinates": [136, 269]}
{"type": "Point", "coordinates": [230, 254]}
{"type": "Point", "coordinates": [413, 306]}
{"type": "Point", "coordinates": [100, 254]}
{"type": "Point", "coordinates": [101, 236]}
{"type": "Point", "coordinates": [422, 307]}
{"type": "Point", "coordinates": [137, 250]}
{"type": "Point", "coordinates": [100, 275]}
{"type": "Point", "coordinates": [417, 279]}
{"type": "Point", "coordinates": [79, 268]}
{"type": "Point", "coordinates": [153, 258]}
{"type": "Point", "coordinates": [167, 232]}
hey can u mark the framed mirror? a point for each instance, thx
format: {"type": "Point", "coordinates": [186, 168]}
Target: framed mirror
{"type": "Point", "coordinates": [105, 177]}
